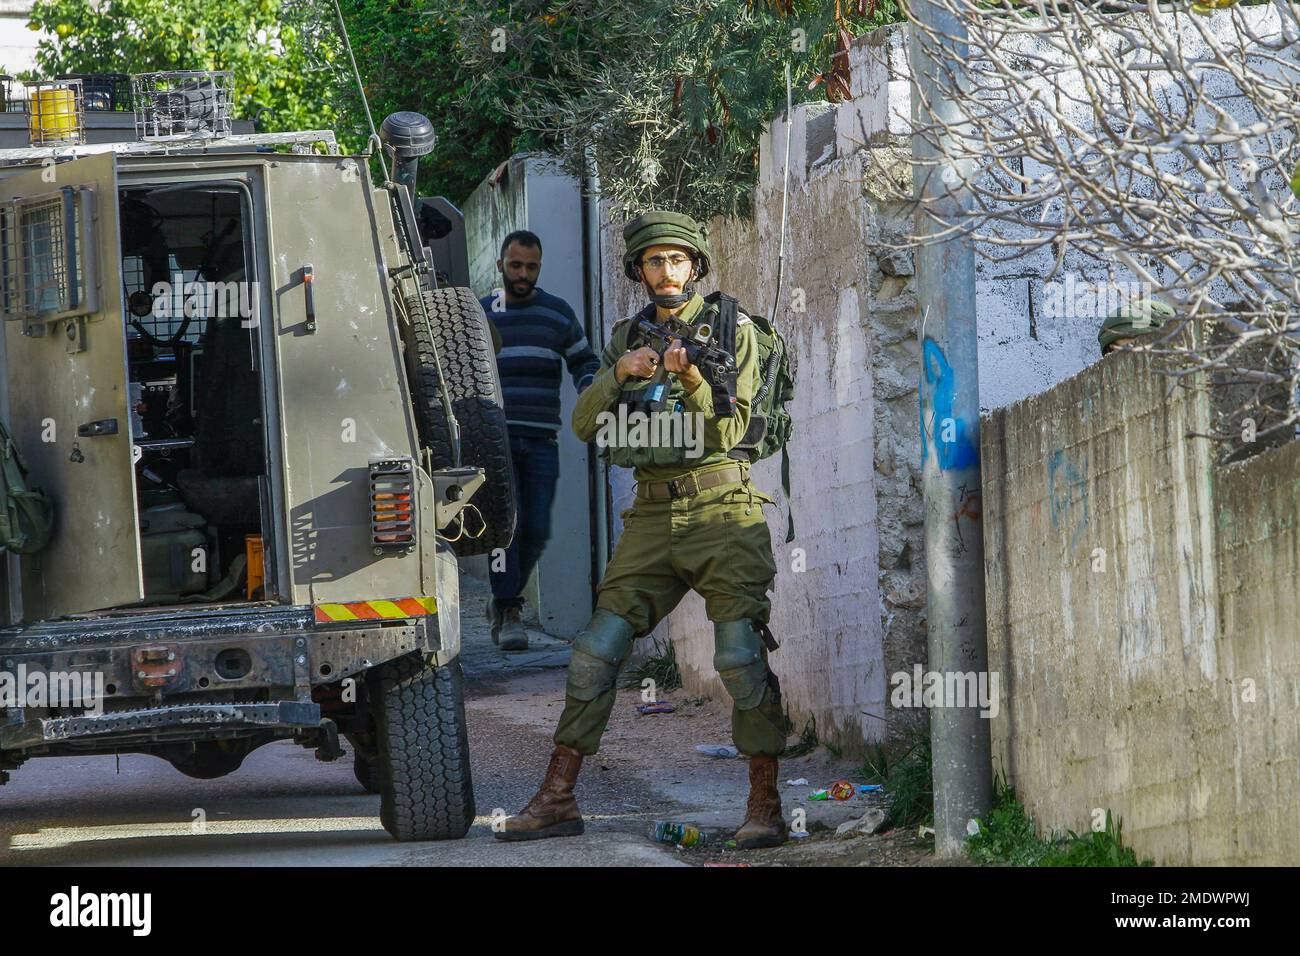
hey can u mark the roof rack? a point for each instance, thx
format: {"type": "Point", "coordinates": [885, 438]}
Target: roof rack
{"type": "Point", "coordinates": [246, 142]}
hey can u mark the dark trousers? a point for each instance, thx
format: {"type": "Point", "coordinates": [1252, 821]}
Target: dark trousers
{"type": "Point", "coordinates": [537, 469]}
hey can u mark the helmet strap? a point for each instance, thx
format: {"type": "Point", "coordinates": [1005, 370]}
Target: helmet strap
{"type": "Point", "coordinates": [673, 301]}
{"type": "Point", "coordinates": [676, 299]}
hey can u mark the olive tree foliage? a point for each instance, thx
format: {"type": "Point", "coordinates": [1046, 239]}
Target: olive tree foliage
{"type": "Point", "coordinates": [670, 98]}
{"type": "Point", "coordinates": [247, 37]}
{"type": "Point", "coordinates": [410, 56]}
{"type": "Point", "coordinates": [1151, 141]}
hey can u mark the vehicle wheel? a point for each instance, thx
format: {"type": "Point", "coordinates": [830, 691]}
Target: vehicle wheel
{"type": "Point", "coordinates": [365, 757]}
{"type": "Point", "coordinates": [464, 347]}
{"type": "Point", "coordinates": [366, 770]}
{"type": "Point", "coordinates": [424, 775]}
{"type": "Point", "coordinates": [212, 759]}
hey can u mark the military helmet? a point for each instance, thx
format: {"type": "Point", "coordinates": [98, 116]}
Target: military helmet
{"type": "Point", "coordinates": [656, 228]}
{"type": "Point", "coordinates": [1140, 318]}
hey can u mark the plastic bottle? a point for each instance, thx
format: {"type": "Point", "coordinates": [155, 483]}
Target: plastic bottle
{"type": "Point", "coordinates": [678, 834]}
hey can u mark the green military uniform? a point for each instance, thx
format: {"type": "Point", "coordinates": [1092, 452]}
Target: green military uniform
{"type": "Point", "coordinates": [714, 541]}
{"type": "Point", "coordinates": [697, 524]}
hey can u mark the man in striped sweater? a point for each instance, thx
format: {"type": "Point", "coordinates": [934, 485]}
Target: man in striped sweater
{"type": "Point", "coordinates": [539, 336]}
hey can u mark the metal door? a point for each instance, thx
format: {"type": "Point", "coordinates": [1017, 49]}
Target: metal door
{"type": "Point", "coordinates": [66, 375]}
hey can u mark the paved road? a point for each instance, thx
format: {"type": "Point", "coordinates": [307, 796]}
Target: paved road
{"type": "Point", "coordinates": [283, 807]}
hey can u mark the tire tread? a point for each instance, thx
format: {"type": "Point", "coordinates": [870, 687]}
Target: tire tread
{"type": "Point", "coordinates": [464, 344]}
{"type": "Point", "coordinates": [426, 791]}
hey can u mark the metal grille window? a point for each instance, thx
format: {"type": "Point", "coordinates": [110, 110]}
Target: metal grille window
{"type": "Point", "coordinates": [169, 316]}
{"type": "Point", "coordinates": [44, 256]}
{"type": "Point", "coordinates": [8, 282]}
{"type": "Point", "coordinates": [45, 280]}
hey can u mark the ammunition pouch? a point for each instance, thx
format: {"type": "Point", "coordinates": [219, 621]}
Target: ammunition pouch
{"type": "Point", "coordinates": [598, 653]}
{"type": "Point", "coordinates": [655, 399]}
{"type": "Point", "coordinates": [623, 456]}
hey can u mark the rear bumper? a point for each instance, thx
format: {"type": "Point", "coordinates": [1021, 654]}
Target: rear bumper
{"type": "Point", "coordinates": [160, 723]}
{"type": "Point", "coordinates": [168, 676]}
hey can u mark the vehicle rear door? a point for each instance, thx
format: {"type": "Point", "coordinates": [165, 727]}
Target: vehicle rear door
{"type": "Point", "coordinates": [343, 393]}
{"type": "Point", "coordinates": [66, 381]}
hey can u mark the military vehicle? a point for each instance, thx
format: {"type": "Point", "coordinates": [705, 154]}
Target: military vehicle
{"type": "Point", "coordinates": [267, 430]}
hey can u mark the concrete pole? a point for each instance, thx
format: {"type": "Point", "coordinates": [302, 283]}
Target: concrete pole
{"type": "Point", "coordinates": [949, 393]}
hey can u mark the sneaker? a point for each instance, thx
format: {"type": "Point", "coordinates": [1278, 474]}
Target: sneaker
{"type": "Point", "coordinates": [513, 635]}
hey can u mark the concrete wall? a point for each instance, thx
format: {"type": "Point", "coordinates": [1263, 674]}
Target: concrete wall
{"type": "Point", "coordinates": [1024, 346]}
{"type": "Point", "coordinates": [528, 192]}
{"type": "Point", "coordinates": [1141, 613]}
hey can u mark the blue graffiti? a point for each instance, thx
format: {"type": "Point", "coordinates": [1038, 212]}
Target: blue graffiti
{"type": "Point", "coordinates": [1067, 495]}
{"type": "Point", "coordinates": [952, 436]}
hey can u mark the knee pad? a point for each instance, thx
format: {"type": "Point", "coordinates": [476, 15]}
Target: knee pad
{"type": "Point", "coordinates": [598, 652]}
{"type": "Point", "coordinates": [738, 659]}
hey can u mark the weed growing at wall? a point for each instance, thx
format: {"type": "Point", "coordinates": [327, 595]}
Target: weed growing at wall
{"type": "Point", "coordinates": [808, 741]}
{"type": "Point", "coordinates": [908, 779]}
{"type": "Point", "coordinates": [661, 668]}
{"type": "Point", "coordinates": [1010, 837]}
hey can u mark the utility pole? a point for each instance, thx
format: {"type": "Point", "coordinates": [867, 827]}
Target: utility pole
{"type": "Point", "coordinates": [950, 419]}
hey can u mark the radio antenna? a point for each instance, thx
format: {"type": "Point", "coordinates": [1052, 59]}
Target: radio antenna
{"type": "Point", "coordinates": [361, 90]}
{"type": "Point", "coordinates": [785, 193]}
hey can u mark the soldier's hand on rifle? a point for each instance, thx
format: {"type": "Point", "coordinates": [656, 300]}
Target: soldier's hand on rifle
{"type": "Point", "coordinates": [641, 363]}
{"type": "Point", "coordinates": [675, 360]}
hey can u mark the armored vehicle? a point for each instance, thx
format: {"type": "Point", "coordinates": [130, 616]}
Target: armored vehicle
{"type": "Point", "coordinates": [266, 431]}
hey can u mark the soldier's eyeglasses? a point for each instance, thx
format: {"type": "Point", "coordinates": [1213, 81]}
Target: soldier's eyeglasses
{"type": "Point", "coordinates": [659, 262]}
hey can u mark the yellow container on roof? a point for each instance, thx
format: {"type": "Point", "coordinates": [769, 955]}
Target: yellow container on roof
{"type": "Point", "coordinates": [54, 116]}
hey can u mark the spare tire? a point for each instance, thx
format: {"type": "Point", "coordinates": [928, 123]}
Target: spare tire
{"type": "Point", "coordinates": [464, 347]}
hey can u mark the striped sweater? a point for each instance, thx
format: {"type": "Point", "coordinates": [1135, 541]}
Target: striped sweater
{"type": "Point", "coordinates": [537, 337]}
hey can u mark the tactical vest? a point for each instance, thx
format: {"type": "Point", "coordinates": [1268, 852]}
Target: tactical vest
{"type": "Point", "coordinates": [770, 423]}
{"type": "Point", "coordinates": [640, 395]}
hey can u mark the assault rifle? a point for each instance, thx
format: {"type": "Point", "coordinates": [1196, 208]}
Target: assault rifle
{"type": "Point", "coordinates": [716, 364]}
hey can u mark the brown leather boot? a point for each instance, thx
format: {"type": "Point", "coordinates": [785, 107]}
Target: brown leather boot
{"type": "Point", "coordinates": [764, 825]}
{"type": "Point", "coordinates": [553, 811]}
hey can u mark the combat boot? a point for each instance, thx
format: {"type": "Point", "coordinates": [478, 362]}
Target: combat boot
{"type": "Point", "coordinates": [764, 825]}
{"type": "Point", "coordinates": [494, 619]}
{"type": "Point", "coordinates": [513, 635]}
{"type": "Point", "coordinates": [553, 811]}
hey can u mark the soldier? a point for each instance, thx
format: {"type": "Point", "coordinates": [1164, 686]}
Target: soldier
{"type": "Point", "coordinates": [697, 523]}
{"type": "Point", "coordinates": [1122, 329]}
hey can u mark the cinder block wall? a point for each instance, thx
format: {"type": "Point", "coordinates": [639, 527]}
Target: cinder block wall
{"type": "Point", "coordinates": [1141, 616]}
